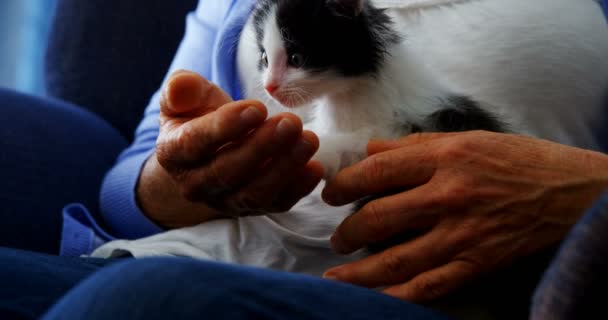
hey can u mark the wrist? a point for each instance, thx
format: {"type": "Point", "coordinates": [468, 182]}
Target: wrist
{"type": "Point", "coordinates": [589, 180]}
{"type": "Point", "coordinates": [159, 198]}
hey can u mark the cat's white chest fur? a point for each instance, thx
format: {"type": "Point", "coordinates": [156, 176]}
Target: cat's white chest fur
{"type": "Point", "coordinates": [383, 107]}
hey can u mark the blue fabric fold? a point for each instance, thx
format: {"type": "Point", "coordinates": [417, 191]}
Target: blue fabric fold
{"type": "Point", "coordinates": [81, 233]}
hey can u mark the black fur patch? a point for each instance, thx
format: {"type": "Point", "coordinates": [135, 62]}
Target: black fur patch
{"type": "Point", "coordinates": [329, 38]}
{"type": "Point", "coordinates": [459, 113]}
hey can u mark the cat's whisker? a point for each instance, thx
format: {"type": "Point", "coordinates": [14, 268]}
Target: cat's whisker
{"type": "Point", "coordinates": [302, 94]}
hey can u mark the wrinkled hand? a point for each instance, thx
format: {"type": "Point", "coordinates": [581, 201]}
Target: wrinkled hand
{"type": "Point", "coordinates": [485, 198]}
{"type": "Point", "coordinates": [227, 155]}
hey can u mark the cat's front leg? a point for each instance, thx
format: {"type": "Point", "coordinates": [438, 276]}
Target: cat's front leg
{"type": "Point", "coordinates": [338, 151]}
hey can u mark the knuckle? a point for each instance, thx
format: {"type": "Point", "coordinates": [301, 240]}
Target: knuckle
{"type": "Point", "coordinates": [176, 149]}
{"type": "Point", "coordinates": [169, 151]}
{"type": "Point", "coordinates": [374, 220]}
{"type": "Point", "coordinates": [220, 123]}
{"type": "Point", "coordinates": [182, 140]}
{"type": "Point", "coordinates": [427, 288]}
{"type": "Point", "coordinates": [457, 149]}
{"type": "Point", "coordinates": [164, 155]}
{"type": "Point", "coordinates": [460, 191]}
{"type": "Point", "coordinates": [374, 169]}
{"type": "Point", "coordinates": [395, 265]}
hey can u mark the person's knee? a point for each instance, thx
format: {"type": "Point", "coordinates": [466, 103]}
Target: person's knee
{"type": "Point", "coordinates": [189, 289]}
{"type": "Point", "coordinates": [157, 288]}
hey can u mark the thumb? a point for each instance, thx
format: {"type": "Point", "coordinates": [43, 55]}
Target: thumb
{"type": "Point", "coordinates": [187, 94]}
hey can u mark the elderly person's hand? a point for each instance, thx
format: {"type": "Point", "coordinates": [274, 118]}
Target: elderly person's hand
{"type": "Point", "coordinates": [480, 199]}
{"type": "Point", "coordinates": [218, 158]}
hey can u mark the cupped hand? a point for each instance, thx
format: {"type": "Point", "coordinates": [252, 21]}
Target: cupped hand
{"type": "Point", "coordinates": [226, 155]}
{"type": "Point", "coordinates": [481, 200]}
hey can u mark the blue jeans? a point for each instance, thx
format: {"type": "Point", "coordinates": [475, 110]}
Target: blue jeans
{"type": "Point", "coordinates": [179, 288]}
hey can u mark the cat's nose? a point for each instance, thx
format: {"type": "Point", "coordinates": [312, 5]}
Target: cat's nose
{"type": "Point", "coordinates": [271, 88]}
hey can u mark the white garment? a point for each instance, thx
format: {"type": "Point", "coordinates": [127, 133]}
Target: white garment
{"type": "Point", "coordinates": [541, 62]}
{"type": "Point", "coordinates": [295, 241]}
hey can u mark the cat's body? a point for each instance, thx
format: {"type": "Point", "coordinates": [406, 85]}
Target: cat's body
{"type": "Point", "coordinates": [341, 64]}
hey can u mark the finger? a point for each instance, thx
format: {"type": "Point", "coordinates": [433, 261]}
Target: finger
{"type": "Point", "coordinates": [187, 94]}
{"type": "Point", "coordinates": [383, 218]}
{"type": "Point", "coordinates": [394, 265]}
{"type": "Point", "coordinates": [197, 140]}
{"type": "Point", "coordinates": [377, 146]}
{"type": "Point", "coordinates": [261, 193]}
{"type": "Point", "coordinates": [307, 180]}
{"type": "Point", "coordinates": [234, 168]}
{"type": "Point", "coordinates": [395, 169]}
{"type": "Point", "coordinates": [435, 283]}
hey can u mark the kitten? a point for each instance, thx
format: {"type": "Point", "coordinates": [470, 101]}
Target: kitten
{"type": "Point", "coordinates": [342, 66]}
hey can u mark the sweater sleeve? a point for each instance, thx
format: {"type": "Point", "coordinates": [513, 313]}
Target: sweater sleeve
{"type": "Point", "coordinates": [118, 199]}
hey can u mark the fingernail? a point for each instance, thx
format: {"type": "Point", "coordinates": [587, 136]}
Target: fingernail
{"type": "Point", "coordinates": [251, 117]}
{"type": "Point", "coordinates": [331, 275]}
{"type": "Point", "coordinates": [285, 128]}
{"type": "Point", "coordinates": [303, 149]}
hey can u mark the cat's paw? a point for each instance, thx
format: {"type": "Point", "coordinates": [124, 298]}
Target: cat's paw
{"type": "Point", "coordinates": [338, 152]}
{"type": "Point", "coordinates": [330, 160]}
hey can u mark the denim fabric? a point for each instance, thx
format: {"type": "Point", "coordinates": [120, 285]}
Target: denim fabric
{"type": "Point", "coordinates": [181, 288]}
{"type": "Point", "coordinates": [30, 283]}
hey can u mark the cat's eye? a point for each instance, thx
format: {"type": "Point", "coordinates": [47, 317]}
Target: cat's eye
{"type": "Point", "coordinates": [296, 60]}
{"type": "Point", "coordinates": [264, 58]}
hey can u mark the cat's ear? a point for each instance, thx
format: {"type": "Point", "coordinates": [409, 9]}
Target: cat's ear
{"type": "Point", "coordinates": [348, 8]}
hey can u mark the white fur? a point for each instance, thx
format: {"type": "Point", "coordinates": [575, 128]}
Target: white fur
{"type": "Point", "coordinates": [346, 112]}
{"type": "Point", "coordinates": [404, 92]}
{"type": "Point", "coordinates": [540, 63]}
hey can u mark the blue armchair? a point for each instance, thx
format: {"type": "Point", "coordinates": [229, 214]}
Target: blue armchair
{"type": "Point", "coordinates": [110, 56]}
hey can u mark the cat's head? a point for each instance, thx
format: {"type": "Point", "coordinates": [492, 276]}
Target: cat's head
{"type": "Point", "coordinates": [312, 48]}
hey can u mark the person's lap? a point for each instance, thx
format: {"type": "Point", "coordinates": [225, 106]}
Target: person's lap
{"type": "Point", "coordinates": [31, 282]}
{"type": "Point", "coordinates": [52, 153]}
{"type": "Point", "coordinates": [182, 288]}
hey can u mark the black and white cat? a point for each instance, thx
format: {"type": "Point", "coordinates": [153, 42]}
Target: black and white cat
{"type": "Point", "coordinates": [342, 66]}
